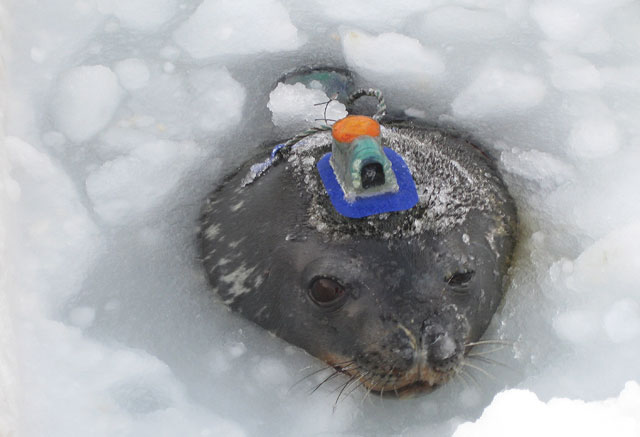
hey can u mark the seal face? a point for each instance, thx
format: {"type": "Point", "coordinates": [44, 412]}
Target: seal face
{"type": "Point", "coordinates": [393, 299]}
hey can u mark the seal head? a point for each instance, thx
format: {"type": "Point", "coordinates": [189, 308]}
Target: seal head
{"type": "Point", "coordinates": [393, 299]}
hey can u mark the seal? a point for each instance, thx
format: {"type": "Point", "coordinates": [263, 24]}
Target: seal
{"type": "Point", "coordinates": [393, 300]}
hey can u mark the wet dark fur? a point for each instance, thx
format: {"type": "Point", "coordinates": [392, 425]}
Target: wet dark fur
{"type": "Point", "coordinates": [421, 284]}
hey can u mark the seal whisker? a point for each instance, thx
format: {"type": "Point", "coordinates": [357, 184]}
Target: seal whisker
{"type": "Point", "coordinates": [459, 375]}
{"type": "Point", "coordinates": [369, 390]}
{"type": "Point", "coordinates": [491, 351]}
{"type": "Point", "coordinates": [362, 380]}
{"type": "Point", "coordinates": [479, 369]}
{"type": "Point", "coordinates": [491, 361]}
{"type": "Point", "coordinates": [328, 378]}
{"type": "Point", "coordinates": [337, 371]}
{"type": "Point", "coordinates": [471, 377]}
{"type": "Point", "coordinates": [331, 366]}
{"type": "Point", "coordinates": [388, 377]}
{"type": "Point", "coordinates": [477, 343]}
{"type": "Point", "coordinates": [463, 379]}
{"type": "Point", "coordinates": [346, 384]}
{"type": "Point", "coordinates": [351, 377]}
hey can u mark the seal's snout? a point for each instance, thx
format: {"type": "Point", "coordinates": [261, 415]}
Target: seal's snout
{"type": "Point", "coordinates": [443, 351]}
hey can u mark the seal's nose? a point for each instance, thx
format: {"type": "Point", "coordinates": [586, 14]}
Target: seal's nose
{"type": "Point", "coordinates": [404, 348]}
{"type": "Point", "coordinates": [440, 346]}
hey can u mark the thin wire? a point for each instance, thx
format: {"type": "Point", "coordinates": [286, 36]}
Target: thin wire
{"type": "Point", "coordinates": [281, 151]}
{"type": "Point", "coordinates": [371, 92]}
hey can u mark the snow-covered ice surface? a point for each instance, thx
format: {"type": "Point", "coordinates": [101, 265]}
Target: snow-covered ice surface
{"type": "Point", "coordinates": [120, 115]}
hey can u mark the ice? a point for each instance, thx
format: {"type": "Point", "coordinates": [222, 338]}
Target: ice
{"type": "Point", "coordinates": [140, 15]}
{"type": "Point", "coordinates": [82, 317]}
{"type": "Point", "coordinates": [133, 73]}
{"type": "Point", "coordinates": [54, 272]}
{"type": "Point", "coordinates": [391, 54]}
{"type": "Point", "coordinates": [594, 137]}
{"type": "Point", "coordinates": [209, 97]}
{"type": "Point", "coordinates": [297, 107]}
{"type": "Point", "coordinates": [574, 73]}
{"type": "Point", "coordinates": [85, 101]}
{"type": "Point", "coordinates": [120, 116]}
{"type": "Point", "coordinates": [496, 91]}
{"type": "Point", "coordinates": [565, 21]}
{"type": "Point", "coordinates": [131, 185]}
{"type": "Point", "coordinates": [219, 27]}
{"type": "Point", "coordinates": [528, 416]}
{"type": "Point", "coordinates": [536, 166]}
{"type": "Point", "coordinates": [622, 321]}
{"type": "Point", "coordinates": [371, 13]}
{"type": "Point", "coordinates": [609, 263]}
{"type": "Point", "coordinates": [577, 326]}
{"type": "Point", "coordinates": [455, 23]}
{"type": "Point", "coordinates": [139, 392]}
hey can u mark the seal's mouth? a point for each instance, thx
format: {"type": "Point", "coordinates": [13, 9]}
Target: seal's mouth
{"type": "Point", "coordinates": [387, 380]}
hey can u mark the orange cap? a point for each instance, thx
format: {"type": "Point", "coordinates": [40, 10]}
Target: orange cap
{"type": "Point", "coordinates": [352, 126]}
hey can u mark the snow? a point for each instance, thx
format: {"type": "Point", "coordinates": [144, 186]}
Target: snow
{"type": "Point", "coordinates": [296, 107]}
{"type": "Point", "coordinates": [528, 416]}
{"type": "Point", "coordinates": [391, 54]}
{"type": "Point", "coordinates": [594, 138]}
{"type": "Point", "coordinates": [133, 73]}
{"type": "Point", "coordinates": [496, 91]}
{"type": "Point", "coordinates": [140, 15]}
{"type": "Point", "coordinates": [130, 185]}
{"type": "Point", "coordinates": [78, 110]}
{"type": "Point", "coordinates": [218, 27]}
{"type": "Point", "coordinates": [118, 118]}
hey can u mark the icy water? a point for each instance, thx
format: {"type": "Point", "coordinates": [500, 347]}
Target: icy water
{"type": "Point", "coordinates": [121, 115]}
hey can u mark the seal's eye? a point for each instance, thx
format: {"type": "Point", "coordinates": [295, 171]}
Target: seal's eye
{"type": "Point", "coordinates": [325, 291]}
{"type": "Point", "coordinates": [460, 280]}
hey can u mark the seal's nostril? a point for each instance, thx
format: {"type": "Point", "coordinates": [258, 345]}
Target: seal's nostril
{"type": "Point", "coordinates": [403, 348]}
{"type": "Point", "coordinates": [441, 346]}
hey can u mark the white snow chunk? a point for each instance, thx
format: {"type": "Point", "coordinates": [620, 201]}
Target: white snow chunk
{"type": "Point", "coordinates": [57, 239]}
{"type": "Point", "coordinates": [133, 73]}
{"type": "Point", "coordinates": [535, 165]}
{"type": "Point", "coordinates": [111, 390]}
{"type": "Point", "coordinates": [574, 73]}
{"type": "Point", "coordinates": [221, 27]}
{"type": "Point", "coordinates": [218, 100]}
{"type": "Point", "coordinates": [576, 326]}
{"type": "Point", "coordinates": [593, 137]}
{"type": "Point", "coordinates": [497, 91]}
{"type": "Point", "coordinates": [294, 106]}
{"type": "Point", "coordinates": [205, 99]}
{"type": "Point", "coordinates": [415, 112]}
{"type": "Point", "coordinates": [622, 321]}
{"type": "Point", "coordinates": [521, 413]}
{"type": "Point", "coordinates": [458, 23]}
{"type": "Point", "coordinates": [625, 77]}
{"type": "Point", "coordinates": [131, 185]}
{"type": "Point", "coordinates": [391, 54]}
{"type": "Point", "coordinates": [82, 317]}
{"type": "Point", "coordinates": [140, 15]}
{"type": "Point", "coordinates": [272, 372]}
{"type": "Point", "coordinates": [610, 265]}
{"type": "Point", "coordinates": [373, 14]}
{"type": "Point", "coordinates": [562, 21]}
{"type": "Point", "coordinates": [85, 101]}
